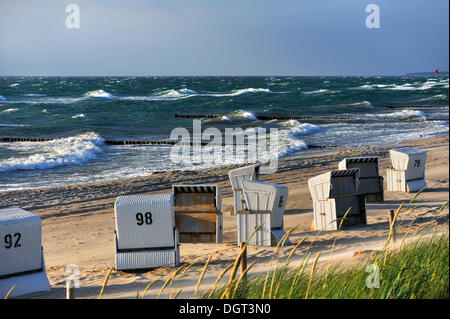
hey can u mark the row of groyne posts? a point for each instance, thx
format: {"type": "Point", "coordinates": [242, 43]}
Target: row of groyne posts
{"type": "Point", "coordinates": [218, 116]}
{"type": "Point", "coordinates": [133, 142]}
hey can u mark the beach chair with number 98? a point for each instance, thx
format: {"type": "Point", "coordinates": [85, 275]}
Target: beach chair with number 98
{"type": "Point", "coordinates": [145, 235]}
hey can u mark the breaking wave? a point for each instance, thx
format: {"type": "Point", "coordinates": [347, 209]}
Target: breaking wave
{"type": "Point", "coordinates": [10, 110]}
{"type": "Point", "coordinates": [100, 94]}
{"type": "Point", "coordinates": [73, 150]}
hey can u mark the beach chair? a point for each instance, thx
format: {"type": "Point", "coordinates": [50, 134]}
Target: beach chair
{"type": "Point", "coordinates": [408, 170]}
{"type": "Point", "coordinates": [265, 207]}
{"type": "Point", "coordinates": [333, 193]}
{"type": "Point", "coordinates": [21, 255]}
{"type": "Point", "coordinates": [198, 215]}
{"type": "Point", "coordinates": [145, 235]}
{"type": "Point", "coordinates": [238, 175]}
{"type": "Point", "coordinates": [370, 181]}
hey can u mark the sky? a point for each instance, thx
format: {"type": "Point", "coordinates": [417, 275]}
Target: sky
{"type": "Point", "coordinates": [223, 37]}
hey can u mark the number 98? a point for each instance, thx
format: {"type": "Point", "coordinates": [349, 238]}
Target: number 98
{"type": "Point", "coordinates": [144, 218]}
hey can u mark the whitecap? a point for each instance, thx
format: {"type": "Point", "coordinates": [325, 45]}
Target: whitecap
{"type": "Point", "coordinates": [10, 110]}
{"type": "Point", "coordinates": [250, 90]}
{"type": "Point", "coordinates": [316, 91]}
{"type": "Point", "coordinates": [163, 95]}
{"type": "Point", "coordinates": [434, 97]}
{"type": "Point", "coordinates": [373, 86]}
{"type": "Point", "coordinates": [73, 150]}
{"type": "Point", "coordinates": [244, 114]}
{"type": "Point", "coordinates": [418, 86]}
{"type": "Point", "coordinates": [366, 104]}
{"type": "Point", "coordinates": [288, 145]}
{"type": "Point", "coordinates": [297, 128]}
{"type": "Point", "coordinates": [100, 94]}
{"type": "Point", "coordinates": [14, 125]}
{"type": "Point", "coordinates": [33, 94]}
{"type": "Point", "coordinates": [177, 93]}
{"type": "Point", "coordinates": [403, 114]}
{"type": "Point", "coordinates": [186, 93]}
{"type": "Point", "coordinates": [240, 92]}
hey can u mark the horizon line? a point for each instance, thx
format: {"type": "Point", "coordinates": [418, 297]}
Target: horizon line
{"type": "Point", "coordinates": [249, 75]}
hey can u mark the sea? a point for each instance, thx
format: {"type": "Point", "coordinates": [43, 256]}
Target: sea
{"type": "Point", "coordinates": [81, 114]}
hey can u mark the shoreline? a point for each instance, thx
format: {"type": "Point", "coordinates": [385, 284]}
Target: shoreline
{"type": "Point", "coordinates": [78, 220]}
{"type": "Point", "coordinates": [308, 153]}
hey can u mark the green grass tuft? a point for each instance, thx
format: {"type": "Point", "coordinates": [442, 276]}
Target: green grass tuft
{"type": "Point", "coordinates": [419, 270]}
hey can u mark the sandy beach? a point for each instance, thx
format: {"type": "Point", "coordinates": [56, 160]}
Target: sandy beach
{"type": "Point", "coordinates": [78, 222]}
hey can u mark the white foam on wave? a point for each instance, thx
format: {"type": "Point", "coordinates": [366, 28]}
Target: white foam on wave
{"type": "Point", "coordinates": [366, 104]}
{"type": "Point", "coordinates": [177, 93]}
{"type": "Point", "coordinates": [292, 147]}
{"type": "Point", "coordinates": [100, 94]}
{"type": "Point", "coordinates": [73, 150]}
{"type": "Point", "coordinates": [403, 114]}
{"type": "Point", "coordinates": [244, 114]}
{"type": "Point", "coordinates": [163, 95]}
{"type": "Point", "coordinates": [239, 92]}
{"type": "Point", "coordinates": [10, 110]}
{"type": "Point", "coordinates": [409, 86]}
{"type": "Point", "coordinates": [33, 94]}
{"type": "Point", "coordinates": [288, 138]}
{"type": "Point", "coordinates": [250, 90]}
{"type": "Point", "coordinates": [186, 91]}
{"type": "Point", "coordinates": [249, 115]}
{"type": "Point", "coordinates": [316, 91]}
{"type": "Point", "coordinates": [288, 144]}
{"type": "Point", "coordinates": [42, 99]}
{"type": "Point", "coordinates": [13, 125]}
{"type": "Point", "coordinates": [297, 128]}
{"type": "Point", "coordinates": [171, 94]}
{"type": "Point", "coordinates": [78, 116]}
{"type": "Point", "coordinates": [14, 84]}
{"type": "Point", "coordinates": [418, 86]}
{"type": "Point", "coordinates": [440, 96]}
{"type": "Point", "coordinates": [183, 93]}
{"type": "Point", "coordinates": [434, 97]}
{"type": "Point", "coordinates": [373, 86]}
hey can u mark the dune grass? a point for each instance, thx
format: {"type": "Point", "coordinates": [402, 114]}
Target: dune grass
{"type": "Point", "coordinates": [419, 269]}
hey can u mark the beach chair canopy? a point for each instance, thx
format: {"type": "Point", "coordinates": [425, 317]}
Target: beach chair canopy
{"type": "Point", "coordinates": [410, 160]}
{"type": "Point", "coordinates": [22, 262]}
{"type": "Point", "coordinates": [368, 166]}
{"type": "Point", "coordinates": [145, 221]}
{"type": "Point", "coordinates": [21, 241]}
{"type": "Point", "coordinates": [238, 175]}
{"type": "Point", "coordinates": [199, 197]}
{"type": "Point", "coordinates": [265, 197]}
{"type": "Point", "coordinates": [334, 183]}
